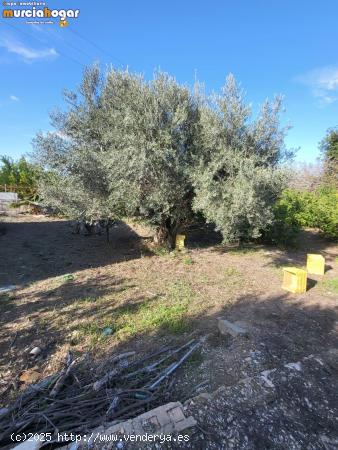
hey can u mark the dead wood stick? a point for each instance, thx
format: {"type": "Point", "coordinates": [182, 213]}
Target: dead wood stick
{"type": "Point", "coordinates": [112, 373]}
{"type": "Point", "coordinates": [32, 391]}
{"type": "Point", "coordinates": [51, 423]}
{"type": "Point", "coordinates": [60, 382]}
{"type": "Point", "coordinates": [151, 355]}
{"type": "Point", "coordinates": [122, 356]}
{"type": "Point", "coordinates": [153, 366]}
{"type": "Point", "coordinates": [13, 340]}
{"type": "Point", "coordinates": [173, 367]}
{"type": "Point", "coordinates": [171, 353]}
{"type": "Point", "coordinates": [104, 380]}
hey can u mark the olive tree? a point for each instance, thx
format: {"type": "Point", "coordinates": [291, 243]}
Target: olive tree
{"type": "Point", "coordinates": [75, 178]}
{"type": "Point", "coordinates": [124, 147]}
{"type": "Point", "coordinates": [157, 150]}
{"type": "Point", "coordinates": [150, 132]}
{"type": "Point", "coordinates": [238, 176]}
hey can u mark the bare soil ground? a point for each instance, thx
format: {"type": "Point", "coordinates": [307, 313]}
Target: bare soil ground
{"type": "Point", "coordinates": [71, 288]}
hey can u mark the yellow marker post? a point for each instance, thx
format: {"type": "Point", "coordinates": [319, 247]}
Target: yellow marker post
{"type": "Point", "coordinates": [294, 280]}
{"type": "Point", "coordinates": [179, 244]}
{"type": "Point", "coordinates": [315, 264]}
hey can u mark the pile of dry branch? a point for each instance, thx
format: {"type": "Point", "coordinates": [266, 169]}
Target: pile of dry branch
{"type": "Point", "coordinates": [77, 400]}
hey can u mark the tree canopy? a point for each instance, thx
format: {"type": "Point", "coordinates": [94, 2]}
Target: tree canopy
{"type": "Point", "coordinates": [161, 151]}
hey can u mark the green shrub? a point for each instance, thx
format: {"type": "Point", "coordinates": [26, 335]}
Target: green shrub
{"type": "Point", "coordinates": [286, 225]}
{"type": "Point", "coordinates": [296, 209]}
{"type": "Point", "coordinates": [326, 212]}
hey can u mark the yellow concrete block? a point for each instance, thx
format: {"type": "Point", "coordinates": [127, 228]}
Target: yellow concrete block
{"type": "Point", "coordinates": [294, 280]}
{"type": "Point", "coordinates": [179, 245]}
{"type": "Point", "coordinates": [315, 264]}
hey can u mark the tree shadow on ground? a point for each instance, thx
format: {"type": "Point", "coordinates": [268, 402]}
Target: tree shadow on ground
{"type": "Point", "coordinates": [32, 251]}
{"type": "Point", "coordinates": [283, 327]}
{"type": "Point", "coordinates": [288, 324]}
{"type": "Point", "coordinates": [61, 295]}
{"type": "Point", "coordinates": [281, 330]}
{"type": "Point", "coordinates": [309, 241]}
{"type": "Point", "coordinates": [202, 236]}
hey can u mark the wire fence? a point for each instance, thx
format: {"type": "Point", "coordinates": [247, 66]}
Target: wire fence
{"type": "Point", "coordinates": [24, 192]}
{"type": "Point", "coordinates": [8, 187]}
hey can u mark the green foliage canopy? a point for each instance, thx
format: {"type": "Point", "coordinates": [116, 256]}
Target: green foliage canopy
{"type": "Point", "coordinates": [155, 149]}
{"type": "Point", "coordinates": [238, 177]}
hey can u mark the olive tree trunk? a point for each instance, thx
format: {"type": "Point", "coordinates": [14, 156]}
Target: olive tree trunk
{"type": "Point", "coordinates": [166, 234]}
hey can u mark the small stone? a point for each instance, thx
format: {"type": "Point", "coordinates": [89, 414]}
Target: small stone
{"type": "Point", "coordinates": [294, 366]}
{"type": "Point", "coordinates": [226, 327]}
{"type": "Point", "coordinates": [35, 351]}
{"type": "Point", "coordinates": [29, 445]}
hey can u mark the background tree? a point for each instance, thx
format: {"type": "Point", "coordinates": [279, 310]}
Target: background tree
{"type": "Point", "coordinates": [19, 176]}
{"type": "Point", "coordinates": [306, 176]}
{"type": "Point", "coordinates": [329, 149]}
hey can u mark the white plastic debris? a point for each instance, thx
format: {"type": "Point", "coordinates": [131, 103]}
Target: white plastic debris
{"type": "Point", "coordinates": [294, 366]}
{"type": "Point", "coordinates": [7, 288]}
{"type": "Point", "coordinates": [265, 377]}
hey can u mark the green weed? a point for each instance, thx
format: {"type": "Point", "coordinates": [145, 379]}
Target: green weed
{"type": "Point", "coordinates": [331, 285]}
{"type": "Point", "coordinates": [188, 261]}
{"type": "Point", "coordinates": [168, 315]}
{"type": "Point", "coordinates": [68, 277]}
{"type": "Point", "coordinates": [232, 277]}
{"type": "Point", "coordinates": [161, 250]}
{"type": "Point", "coordinates": [231, 272]}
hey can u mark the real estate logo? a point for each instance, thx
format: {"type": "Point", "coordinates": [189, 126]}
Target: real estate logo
{"type": "Point", "coordinates": [38, 13]}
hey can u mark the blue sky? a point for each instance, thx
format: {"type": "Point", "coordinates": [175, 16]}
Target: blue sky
{"type": "Point", "coordinates": [272, 47]}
